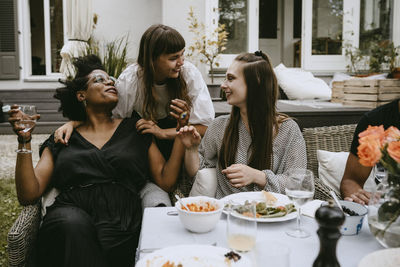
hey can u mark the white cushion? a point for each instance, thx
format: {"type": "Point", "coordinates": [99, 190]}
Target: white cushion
{"type": "Point", "coordinates": [205, 183]}
{"type": "Point", "coordinates": [331, 167]}
{"type": "Point", "coordinates": [299, 84]}
{"type": "Point", "coordinates": [48, 199]}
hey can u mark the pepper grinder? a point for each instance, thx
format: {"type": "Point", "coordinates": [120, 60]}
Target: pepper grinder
{"type": "Point", "coordinates": [329, 218]}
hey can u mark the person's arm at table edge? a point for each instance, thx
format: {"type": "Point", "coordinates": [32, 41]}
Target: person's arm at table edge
{"type": "Point", "coordinates": [354, 177]}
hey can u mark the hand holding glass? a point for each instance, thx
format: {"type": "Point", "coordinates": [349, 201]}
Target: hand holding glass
{"type": "Point", "coordinates": [300, 189]}
{"type": "Point", "coordinates": [27, 120]}
{"type": "Point", "coordinates": [242, 227]}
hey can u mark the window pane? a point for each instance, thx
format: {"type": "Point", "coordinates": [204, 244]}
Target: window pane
{"type": "Point", "coordinates": [269, 19]}
{"type": "Point", "coordinates": [57, 33]}
{"type": "Point", "coordinates": [376, 23]}
{"type": "Point", "coordinates": [233, 13]}
{"type": "Point", "coordinates": [37, 37]}
{"type": "Point", "coordinates": [327, 26]}
{"type": "Point", "coordinates": [297, 9]}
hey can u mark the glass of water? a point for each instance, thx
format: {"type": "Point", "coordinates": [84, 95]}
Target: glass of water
{"type": "Point", "coordinates": [242, 226]}
{"type": "Point", "coordinates": [27, 119]}
{"type": "Point", "coordinates": [300, 189]}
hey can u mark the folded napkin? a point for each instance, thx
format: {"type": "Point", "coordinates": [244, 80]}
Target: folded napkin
{"type": "Point", "coordinates": [309, 208]}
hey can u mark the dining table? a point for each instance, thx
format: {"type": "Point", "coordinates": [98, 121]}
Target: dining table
{"type": "Point", "coordinates": [161, 228]}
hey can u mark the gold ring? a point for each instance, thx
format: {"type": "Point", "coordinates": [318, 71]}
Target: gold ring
{"type": "Point", "coordinates": [183, 115]}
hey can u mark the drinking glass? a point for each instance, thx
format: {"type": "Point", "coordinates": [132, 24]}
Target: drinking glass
{"type": "Point", "coordinates": [242, 226]}
{"type": "Point", "coordinates": [300, 189]}
{"type": "Point", "coordinates": [27, 120]}
{"type": "Point", "coordinates": [380, 173]}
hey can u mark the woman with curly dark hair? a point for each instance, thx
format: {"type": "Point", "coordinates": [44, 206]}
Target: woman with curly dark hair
{"type": "Point", "coordinates": [96, 218]}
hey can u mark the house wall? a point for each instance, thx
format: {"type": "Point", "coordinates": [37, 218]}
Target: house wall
{"type": "Point", "coordinates": [119, 18]}
{"type": "Point", "coordinates": [175, 14]}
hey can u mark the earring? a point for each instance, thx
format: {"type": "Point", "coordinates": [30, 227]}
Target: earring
{"type": "Point", "coordinates": [84, 102]}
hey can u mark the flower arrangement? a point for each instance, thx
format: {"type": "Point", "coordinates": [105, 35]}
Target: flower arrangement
{"type": "Point", "coordinates": [378, 145]}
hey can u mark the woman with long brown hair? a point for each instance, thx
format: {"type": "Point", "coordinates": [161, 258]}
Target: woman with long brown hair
{"type": "Point", "coordinates": [253, 146]}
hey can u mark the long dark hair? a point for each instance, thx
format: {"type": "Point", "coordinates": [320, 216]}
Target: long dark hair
{"type": "Point", "coordinates": [70, 106]}
{"type": "Point", "coordinates": [157, 40]}
{"type": "Point", "coordinates": [262, 95]}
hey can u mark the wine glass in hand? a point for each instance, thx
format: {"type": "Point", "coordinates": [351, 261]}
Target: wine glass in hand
{"type": "Point", "coordinates": [300, 189]}
{"type": "Point", "coordinates": [26, 122]}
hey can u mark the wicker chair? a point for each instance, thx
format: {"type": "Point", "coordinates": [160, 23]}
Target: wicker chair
{"type": "Point", "coordinates": [22, 237]}
{"type": "Point", "coordinates": [331, 138]}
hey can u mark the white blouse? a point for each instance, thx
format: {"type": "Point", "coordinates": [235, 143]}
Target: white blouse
{"type": "Point", "coordinates": [130, 91]}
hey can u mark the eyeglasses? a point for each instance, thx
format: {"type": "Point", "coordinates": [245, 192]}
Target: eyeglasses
{"type": "Point", "coordinates": [101, 78]}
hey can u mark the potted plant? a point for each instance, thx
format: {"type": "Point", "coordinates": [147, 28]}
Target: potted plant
{"type": "Point", "coordinates": [208, 46]}
{"type": "Point", "coordinates": [113, 54]}
{"type": "Point", "coordinates": [394, 61]}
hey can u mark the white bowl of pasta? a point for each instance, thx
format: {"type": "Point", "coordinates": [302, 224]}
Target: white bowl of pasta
{"type": "Point", "coordinates": [203, 214]}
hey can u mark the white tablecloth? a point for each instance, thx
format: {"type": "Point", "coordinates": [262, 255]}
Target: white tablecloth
{"type": "Point", "coordinates": [160, 230]}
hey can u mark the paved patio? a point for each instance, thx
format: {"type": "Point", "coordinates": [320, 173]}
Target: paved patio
{"type": "Point", "coordinates": [8, 145]}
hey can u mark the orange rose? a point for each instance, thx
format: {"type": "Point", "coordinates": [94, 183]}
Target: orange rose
{"type": "Point", "coordinates": [369, 151]}
{"type": "Point", "coordinates": [391, 134]}
{"type": "Point", "coordinates": [376, 132]}
{"type": "Point", "coordinates": [394, 150]}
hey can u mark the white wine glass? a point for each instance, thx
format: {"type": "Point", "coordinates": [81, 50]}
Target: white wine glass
{"type": "Point", "coordinates": [300, 189]}
{"type": "Point", "coordinates": [241, 226]}
{"type": "Point", "coordinates": [28, 121]}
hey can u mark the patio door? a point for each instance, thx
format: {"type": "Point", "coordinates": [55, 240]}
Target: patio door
{"type": "Point", "coordinates": [43, 32]}
{"type": "Point", "coordinates": [270, 25]}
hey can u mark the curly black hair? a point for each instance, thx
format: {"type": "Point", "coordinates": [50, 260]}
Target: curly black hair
{"type": "Point", "coordinates": [70, 106]}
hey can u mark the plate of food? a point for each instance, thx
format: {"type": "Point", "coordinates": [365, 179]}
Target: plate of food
{"type": "Point", "coordinates": [194, 256]}
{"type": "Point", "coordinates": [270, 207]}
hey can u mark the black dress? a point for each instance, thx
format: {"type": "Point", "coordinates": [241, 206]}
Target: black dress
{"type": "Point", "coordinates": [96, 219]}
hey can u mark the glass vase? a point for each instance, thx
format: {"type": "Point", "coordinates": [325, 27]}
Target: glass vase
{"type": "Point", "coordinates": [384, 211]}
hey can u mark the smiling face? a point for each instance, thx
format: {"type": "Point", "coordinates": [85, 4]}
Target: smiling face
{"type": "Point", "coordinates": [235, 86]}
{"type": "Point", "coordinates": [168, 66]}
{"type": "Point", "coordinates": [100, 90]}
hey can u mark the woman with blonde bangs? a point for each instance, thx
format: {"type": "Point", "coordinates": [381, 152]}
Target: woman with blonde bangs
{"type": "Point", "coordinates": [258, 144]}
{"type": "Point", "coordinates": [150, 86]}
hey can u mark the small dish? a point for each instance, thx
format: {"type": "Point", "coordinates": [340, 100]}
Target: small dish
{"type": "Point", "coordinates": [197, 221]}
{"type": "Point", "coordinates": [352, 224]}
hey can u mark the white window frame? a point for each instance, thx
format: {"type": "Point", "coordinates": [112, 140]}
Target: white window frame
{"type": "Point", "coordinates": [26, 57]}
{"type": "Point", "coordinates": [252, 28]}
{"type": "Point", "coordinates": [351, 32]}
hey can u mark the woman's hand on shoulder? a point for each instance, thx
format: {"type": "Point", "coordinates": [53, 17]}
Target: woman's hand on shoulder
{"type": "Point", "coordinates": [189, 137]}
{"type": "Point", "coordinates": [63, 133]}
{"type": "Point", "coordinates": [149, 127]}
{"type": "Point", "coordinates": [240, 175]}
{"type": "Point", "coordinates": [180, 111]}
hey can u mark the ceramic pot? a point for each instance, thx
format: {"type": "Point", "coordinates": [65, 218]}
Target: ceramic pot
{"type": "Point", "coordinates": [215, 91]}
